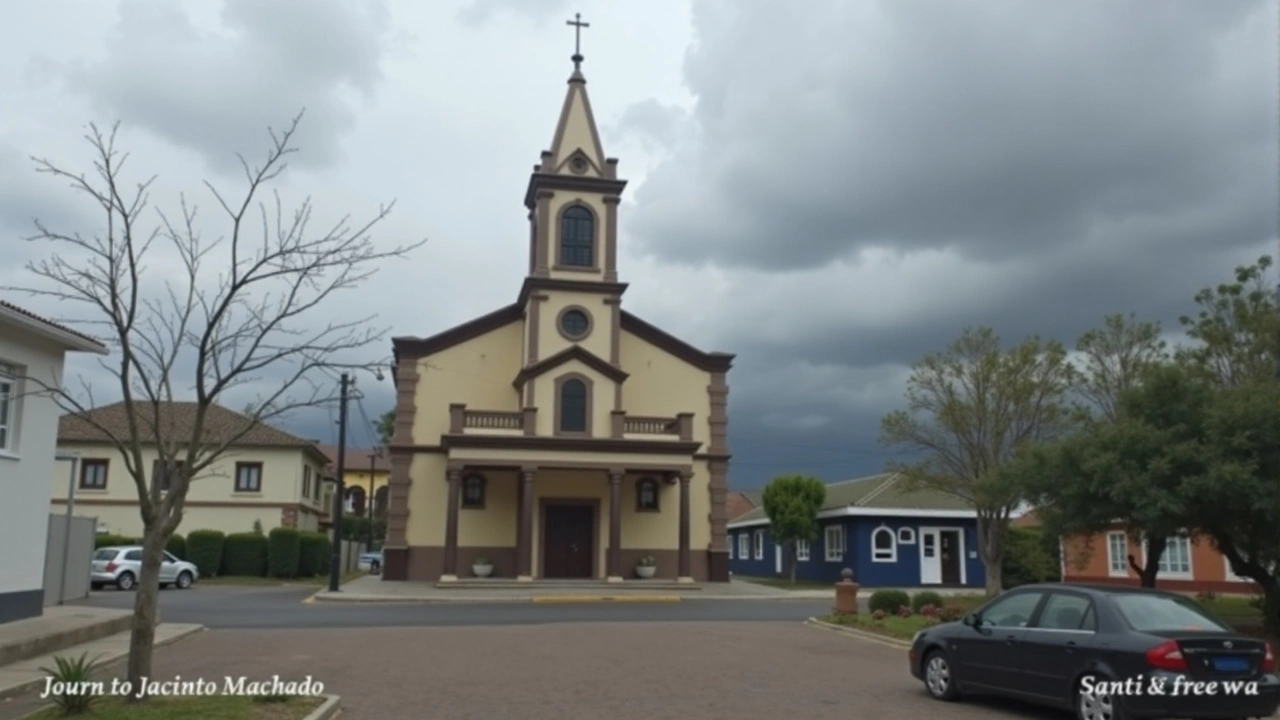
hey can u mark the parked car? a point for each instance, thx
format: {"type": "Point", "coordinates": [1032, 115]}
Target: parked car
{"type": "Point", "coordinates": [371, 561]}
{"type": "Point", "coordinates": [122, 566]}
{"type": "Point", "coordinates": [1067, 646]}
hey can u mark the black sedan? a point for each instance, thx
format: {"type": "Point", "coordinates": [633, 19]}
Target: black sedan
{"type": "Point", "coordinates": [1106, 652]}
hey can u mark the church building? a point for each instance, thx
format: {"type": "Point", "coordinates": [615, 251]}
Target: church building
{"type": "Point", "coordinates": [560, 436]}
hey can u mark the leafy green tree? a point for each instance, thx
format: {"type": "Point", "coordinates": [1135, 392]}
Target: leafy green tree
{"type": "Point", "coordinates": [386, 426]}
{"type": "Point", "coordinates": [971, 410]}
{"type": "Point", "coordinates": [1237, 328]}
{"type": "Point", "coordinates": [1113, 359]}
{"type": "Point", "coordinates": [792, 503]}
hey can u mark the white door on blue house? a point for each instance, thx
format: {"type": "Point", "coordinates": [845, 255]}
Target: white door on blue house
{"type": "Point", "coordinates": [930, 563]}
{"type": "Point", "coordinates": [777, 559]}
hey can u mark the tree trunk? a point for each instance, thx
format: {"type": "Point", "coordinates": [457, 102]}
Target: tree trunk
{"type": "Point", "coordinates": [991, 532]}
{"type": "Point", "coordinates": [145, 611]}
{"type": "Point", "coordinates": [1148, 572]}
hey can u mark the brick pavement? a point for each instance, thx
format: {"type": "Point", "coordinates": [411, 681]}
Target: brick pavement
{"type": "Point", "coordinates": [620, 671]}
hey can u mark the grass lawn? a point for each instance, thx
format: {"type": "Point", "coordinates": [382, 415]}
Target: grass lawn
{"type": "Point", "coordinates": [201, 707]}
{"type": "Point", "coordinates": [1232, 608]}
{"type": "Point", "coordinates": [317, 581]}
{"type": "Point", "coordinates": [785, 584]}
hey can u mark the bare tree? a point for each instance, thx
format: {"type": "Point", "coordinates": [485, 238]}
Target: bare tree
{"type": "Point", "coordinates": [1115, 356]}
{"type": "Point", "coordinates": [231, 312]}
{"type": "Point", "coordinates": [970, 410]}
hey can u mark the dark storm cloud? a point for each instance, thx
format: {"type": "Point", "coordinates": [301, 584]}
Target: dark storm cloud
{"type": "Point", "coordinates": [217, 93]}
{"type": "Point", "coordinates": [999, 129]}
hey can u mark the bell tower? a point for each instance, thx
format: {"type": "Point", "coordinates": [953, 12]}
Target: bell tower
{"type": "Point", "coordinates": [573, 193]}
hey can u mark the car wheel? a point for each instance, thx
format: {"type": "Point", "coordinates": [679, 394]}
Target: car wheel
{"type": "Point", "coordinates": [184, 580]}
{"type": "Point", "coordinates": [1097, 704]}
{"type": "Point", "coordinates": [938, 678]}
{"type": "Point", "coordinates": [125, 581]}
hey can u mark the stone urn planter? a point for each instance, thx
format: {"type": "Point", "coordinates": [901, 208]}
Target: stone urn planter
{"type": "Point", "coordinates": [482, 567]}
{"type": "Point", "coordinates": [647, 567]}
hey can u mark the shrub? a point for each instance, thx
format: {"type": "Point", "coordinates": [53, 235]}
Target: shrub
{"type": "Point", "coordinates": [878, 616]}
{"type": "Point", "coordinates": [177, 546]}
{"type": "Point", "coordinates": [75, 699]}
{"type": "Point", "coordinates": [1206, 596]}
{"type": "Point", "coordinates": [326, 558]}
{"type": "Point", "coordinates": [245, 555]}
{"type": "Point", "coordinates": [284, 551]}
{"type": "Point", "coordinates": [904, 611]}
{"type": "Point", "coordinates": [950, 613]}
{"type": "Point", "coordinates": [929, 611]}
{"type": "Point", "coordinates": [1030, 556]}
{"type": "Point", "coordinates": [204, 550]}
{"type": "Point", "coordinates": [107, 540]}
{"type": "Point", "coordinates": [312, 548]}
{"type": "Point", "coordinates": [927, 597]}
{"type": "Point", "coordinates": [888, 600]}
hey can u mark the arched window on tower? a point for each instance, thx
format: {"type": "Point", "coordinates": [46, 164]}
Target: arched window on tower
{"type": "Point", "coordinates": [573, 406]}
{"type": "Point", "coordinates": [577, 237]}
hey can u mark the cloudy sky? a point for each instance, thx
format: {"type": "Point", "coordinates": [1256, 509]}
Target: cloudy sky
{"type": "Point", "coordinates": [829, 194]}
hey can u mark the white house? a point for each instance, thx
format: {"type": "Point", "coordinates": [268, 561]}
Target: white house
{"type": "Point", "coordinates": [32, 350]}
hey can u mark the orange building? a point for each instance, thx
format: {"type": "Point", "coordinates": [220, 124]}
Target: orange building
{"type": "Point", "coordinates": [1188, 564]}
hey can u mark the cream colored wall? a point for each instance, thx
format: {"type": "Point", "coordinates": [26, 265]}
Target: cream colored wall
{"type": "Point", "coordinates": [550, 341]}
{"type": "Point", "coordinates": [495, 524]}
{"type": "Point", "coordinates": [558, 201]}
{"type": "Point", "coordinates": [361, 479]}
{"type": "Point", "coordinates": [545, 398]}
{"type": "Point", "coordinates": [125, 520]}
{"type": "Point", "coordinates": [281, 475]}
{"type": "Point", "coordinates": [661, 385]}
{"type": "Point", "coordinates": [477, 373]}
{"type": "Point", "coordinates": [428, 499]}
{"type": "Point", "coordinates": [577, 132]}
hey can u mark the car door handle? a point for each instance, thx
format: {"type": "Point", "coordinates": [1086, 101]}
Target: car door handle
{"type": "Point", "coordinates": [1071, 646]}
{"type": "Point", "coordinates": [1009, 639]}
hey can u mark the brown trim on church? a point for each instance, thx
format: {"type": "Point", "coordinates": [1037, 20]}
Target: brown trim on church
{"type": "Point", "coordinates": [611, 237]}
{"type": "Point", "coordinates": [533, 316]}
{"type": "Point", "coordinates": [556, 429]}
{"type": "Point", "coordinates": [534, 284]}
{"type": "Point", "coordinates": [596, 249]}
{"type": "Point", "coordinates": [401, 450]}
{"type": "Point", "coordinates": [615, 330]}
{"type": "Point", "coordinates": [573, 352]}
{"type": "Point", "coordinates": [415, 347]}
{"type": "Point", "coordinates": [709, 361]}
{"type": "Point", "coordinates": [591, 323]}
{"type": "Point", "coordinates": [542, 235]}
{"type": "Point", "coordinates": [570, 444]}
{"type": "Point", "coordinates": [419, 449]}
{"type": "Point", "coordinates": [546, 182]}
{"type": "Point", "coordinates": [629, 468]}
{"type": "Point", "coordinates": [718, 471]}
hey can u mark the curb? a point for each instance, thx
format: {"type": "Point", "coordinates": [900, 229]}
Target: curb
{"type": "Point", "coordinates": [328, 709]}
{"type": "Point", "coordinates": [860, 634]}
{"type": "Point", "coordinates": [324, 597]}
{"type": "Point", "coordinates": [605, 598]}
{"type": "Point", "coordinates": [15, 690]}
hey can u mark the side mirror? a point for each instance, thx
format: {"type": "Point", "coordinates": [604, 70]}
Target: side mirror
{"type": "Point", "coordinates": [971, 620]}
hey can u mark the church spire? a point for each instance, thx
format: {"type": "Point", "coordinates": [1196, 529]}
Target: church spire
{"type": "Point", "coordinates": [576, 148]}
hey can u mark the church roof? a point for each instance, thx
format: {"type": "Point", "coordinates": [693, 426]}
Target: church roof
{"type": "Point", "coordinates": [569, 354]}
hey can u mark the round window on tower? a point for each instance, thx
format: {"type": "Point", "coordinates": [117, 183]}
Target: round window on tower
{"type": "Point", "coordinates": [574, 323]}
{"type": "Point", "coordinates": [578, 165]}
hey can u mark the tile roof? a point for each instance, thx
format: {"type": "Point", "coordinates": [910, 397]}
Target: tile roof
{"type": "Point", "coordinates": [887, 491]}
{"type": "Point", "coordinates": [177, 419]}
{"type": "Point", "coordinates": [50, 323]}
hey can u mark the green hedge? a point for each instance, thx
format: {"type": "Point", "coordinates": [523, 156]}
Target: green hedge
{"type": "Point", "coordinates": [889, 601]}
{"type": "Point", "coordinates": [926, 597]}
{"type": "Point", "coordinates": [245, 555]}
{"type": "Point", "coordinates": [1030, 556]}
{"type": "Point", "coordinates": [204, 549]}
{"type": "Point", "coordinates": [102, 540]}
{"type": "Point", "coordinates": [326, 558]}
{"type": "Point", "coordinates": [177, 546]}
{"type": "Point", "coordinates": [356, 527]}
{"type": "Point", "coordinates": [313, 548]}
{"type": "Point", "coordinates": [284, 549]}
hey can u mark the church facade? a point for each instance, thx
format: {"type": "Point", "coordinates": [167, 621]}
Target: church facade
{"type": "Point", "coordinates": [560, 436]}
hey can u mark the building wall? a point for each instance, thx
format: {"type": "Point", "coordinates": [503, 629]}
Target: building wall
{"type": "Point", "coordinates": [661, 385]}
{"type": "Point", "coordinates": [1086, 559]}
{"type": "Point", "coordinates": [905, 572]}
{"type": "Point", "coordinates": [477, 373]}
{"type": "Point", "coordinates": [26, 470]}
{"type": "Point", "coordinates": [598, 341]}
{"type": "Point", "coordinates": [212, 502]}
{"type": "Point", "coordinates": [601, 398]}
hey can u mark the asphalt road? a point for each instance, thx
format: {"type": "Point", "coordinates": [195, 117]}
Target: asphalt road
{"type": "Point", "coordinates": [232, 607]}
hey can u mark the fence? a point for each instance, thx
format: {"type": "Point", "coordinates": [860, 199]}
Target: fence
{"type": "Point", "coordinates": [78, 554]}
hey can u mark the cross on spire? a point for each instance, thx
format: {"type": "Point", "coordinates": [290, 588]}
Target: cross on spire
{"type": "Point", "coordinates": [577, 24]}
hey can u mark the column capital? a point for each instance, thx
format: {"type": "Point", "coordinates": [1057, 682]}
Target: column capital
{"type": "Point", "coordinates": [527, 472]}
{"type": "Point", "coordinates": [616, 474]}
{"type": "Point", "coordinates": [453, 474]}
{"type": "Point", "coordinates": [683, 476]}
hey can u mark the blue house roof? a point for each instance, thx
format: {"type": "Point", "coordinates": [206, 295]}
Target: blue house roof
{"type": "Point", "coordinates": [887, 495]}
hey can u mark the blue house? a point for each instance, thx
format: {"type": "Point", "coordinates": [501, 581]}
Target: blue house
{"type": "Point", "coordinates": [887, 533]}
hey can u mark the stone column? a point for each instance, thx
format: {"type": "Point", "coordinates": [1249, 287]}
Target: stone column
{"type": "Point", "coordinates": [685, 564]}
{"type": "Point", "coordinates": [615, 525]}
{"type": "Point", "coordinates": [524, 543]}
{"type": "Point", "coordinates": [454, 477]}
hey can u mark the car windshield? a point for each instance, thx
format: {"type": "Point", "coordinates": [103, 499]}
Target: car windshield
{"type": "Point", "coordinates": [105, 554]}
{"type": "Point", "coordinates": [1155, 613]}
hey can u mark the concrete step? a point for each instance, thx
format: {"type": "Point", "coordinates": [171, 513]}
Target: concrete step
{"type": "Point", "coordinates": [58, 628]}
{"type": "Point", "coordinates": [541, 586]}
{"type": "Point", "coordinates": [26, 675]}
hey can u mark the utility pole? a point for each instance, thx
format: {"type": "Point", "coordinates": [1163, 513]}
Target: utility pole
{"type": "Point", "coordinates": [372, 457]}
{"type": "Point", "coordinates": [335, 563]}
